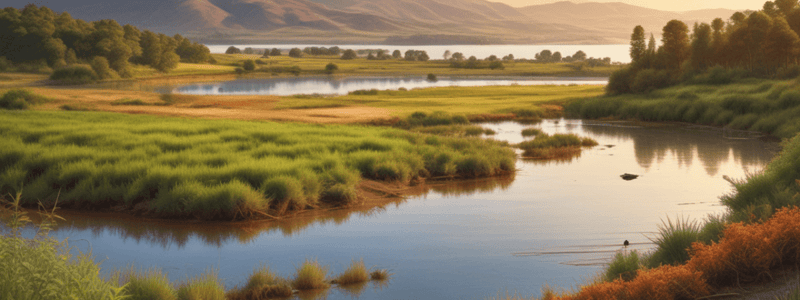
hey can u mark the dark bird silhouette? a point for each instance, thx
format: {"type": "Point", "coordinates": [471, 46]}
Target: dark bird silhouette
{"type": "Point", "coordinates": [628, 177]}
{"type": "Point", "coordinates": [626, 243]}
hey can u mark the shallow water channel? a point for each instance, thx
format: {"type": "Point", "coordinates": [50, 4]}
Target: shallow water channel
{"type": "Point", "coordinates": [551, 223]}
{"type": "Point", "coordinates": [342, 86]}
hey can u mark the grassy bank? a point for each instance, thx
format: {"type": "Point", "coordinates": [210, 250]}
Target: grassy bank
{"type": "Point", "coordinates": [471, 101]}
{"type": "Point", "coordinates": [768, 106]}
{"type": "Point", "coordinates": [213, 169]}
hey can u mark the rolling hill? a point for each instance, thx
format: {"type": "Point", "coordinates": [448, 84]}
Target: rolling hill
{"type": "Point", "coordinates": [377, 21]}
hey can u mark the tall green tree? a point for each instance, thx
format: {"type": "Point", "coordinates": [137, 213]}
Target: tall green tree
{"type": "Point", "coordinates": [758, 25]}
{"type": "Point", "coordinates": [785, 7]}
{"type": "Point", "coordinates": [675, 42]}
{"type": "Point", "coordinates": [702, 52]}
{"type": "Point", "coordinates": [638, 44]}
{"type": "Point", "coordinates": [718, 41]}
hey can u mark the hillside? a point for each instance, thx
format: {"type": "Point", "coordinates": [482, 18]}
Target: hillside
{"type": "Point", "coordinates": [380, 21]}
{"type": "Point", "coordinates": [616, 19]}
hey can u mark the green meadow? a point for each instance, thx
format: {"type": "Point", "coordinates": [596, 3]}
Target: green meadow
{"type": "Point", "coordinates": [455, 100]}
{"type": "Point", "coordinates": [219, 169]}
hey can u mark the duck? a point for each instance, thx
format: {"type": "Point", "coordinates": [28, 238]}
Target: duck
{"type": "Point", "coordinates": [628, 177]}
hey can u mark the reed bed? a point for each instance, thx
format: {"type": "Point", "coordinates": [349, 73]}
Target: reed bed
{"type": "Point", "coordinates": [206, 286]}
{"type": "Point", "coordinates": [219, 169]}
{"type": "Point", "coordinates": [760, 105]}
{"type": "Point", "coordinates": [356, 273]}
{"type": "Point", "coordinates": [311, 276]}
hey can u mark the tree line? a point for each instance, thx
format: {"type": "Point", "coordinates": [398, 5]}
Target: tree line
{"type": "Point", "coordinates": [761, 43]}
{"type": "Point", "coordinates": [37, 36]}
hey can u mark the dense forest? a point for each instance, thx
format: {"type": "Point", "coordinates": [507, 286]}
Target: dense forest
{"type": "Point", "coordinates": [36, 38]}
{"type": "Point", "coordinates": [762, 43]}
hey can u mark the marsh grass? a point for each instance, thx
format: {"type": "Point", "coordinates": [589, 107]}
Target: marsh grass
{"type": "Point", "coordinates": [624, 266]}
{"type": "Point", "coordinates": [673, 241]}
{"type": "Point", "coordinates": [761, 105]}
{"type": "Point", "coordinates": [531, 132]}
{"type": "Point", "coordinates": [311, 276]}
{"type": "Point", "coordinates": [147, 284]}
{"type": "Point", "coordinates": [78, 107]}
{"type": "Point", "coordinates": [356, 273]}
{"type": "Point", "coordinates": [379, 275]}
{"type": "Point", "coordinates": [213, 169]}
{"type": "Point", "coordinates": [206, 286]}
{"type": "Point", "coordinates": [129, 101]}
{"type": "Point", "coordinates": [555, 146]}
{"type": "Point", "coordinates": [262, 284]}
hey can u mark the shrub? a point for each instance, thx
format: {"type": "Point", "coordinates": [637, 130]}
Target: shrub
{"type": "Point", "coordinates": [310, 276]}
{"type": "Point", "coordinates": [249, 65]}
{"type": "Point", "coordinates": [624, 266]}
{"type": "Point", "coordinates": [789, 99]}
{"type": "Point", "coordinates": [239, 71]}
{"type": "Point", "coordinates": [20, 99]}
{"type": "Point", "coordinates": [296, 53]}
{"type": "Point", "coordinates": [331, 68]}
{"type": "Point", "coordinates": [620, 81]}
{"type": "Point", "coordinates": [100, 67]}
{"type": "Point", "coordinates": [648, 80]}
{"type": "Point", "coordinates": [356, 273]}
{"type": "Point", "coordinates": [432, 77]}
{"type": "Point", "coordinates": [74, 75]}
{"type": "Point", "coordinates": [128, 101]}
{"type": "Point", "coordinates": [349, 54]}
{"type": "Point", "coordinates": [496, 65]}
{"type": "Point", "coordinates": [5, 64]}
{"type": "Point", "coordinates": [233, 50]}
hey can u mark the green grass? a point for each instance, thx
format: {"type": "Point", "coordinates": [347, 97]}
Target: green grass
{"type": "Point", "coordinates": [148, 284]}
{"type": "Point", "coordinates": [311, 276]}
{"type": "Point", "coordinates": [673, 241]}
{"type": "Point", "coordinates": [768, 106]}
{"type": "Point", "coordinates": [531, 132]}
{"type": "Point", "coordinates": [552, 146]}
{"type": "Point", "coordinates": [624, 266]}
{"type": "Point", "coordinates": [521, 101]}
{"type": "Point", "coordinates": [356, 273]}
{"type": "Point", "coordinates": [206, 286]}
{"type": "Point", "coordinates": [218, 169]}
{"type": "Point", "coordinates": [19, 99]}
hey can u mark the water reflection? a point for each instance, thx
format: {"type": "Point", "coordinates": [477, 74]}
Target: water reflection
{"type": "Point", "coordinates": [712, 146]}
{"type": "Point", "coordinates": [168, 234]}
{"type": "Point", "coordinates": [342, 86]}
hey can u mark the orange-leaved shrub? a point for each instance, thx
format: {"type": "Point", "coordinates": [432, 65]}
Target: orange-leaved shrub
{"type": "Point", "coordinates": [748, 252]}
{"type": "Point", "coordinates": [662, 283]}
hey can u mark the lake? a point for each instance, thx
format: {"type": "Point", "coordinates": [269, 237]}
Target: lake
{"type": "Point", "coordinates": [551, 223]}
{"type": "Point", "coordinates": [342, 86]}
{"type": "Point", "coordinates": [617, 53]}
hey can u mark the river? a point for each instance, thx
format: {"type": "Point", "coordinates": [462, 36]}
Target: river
{"type": "Point", "coordinates": [552, 222]}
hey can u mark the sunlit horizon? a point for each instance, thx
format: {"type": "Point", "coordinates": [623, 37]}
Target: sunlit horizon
{"type": "Point", "coordinates": [676, 5]}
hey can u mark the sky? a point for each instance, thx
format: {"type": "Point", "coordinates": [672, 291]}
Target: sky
{"type": "Point", "coordinates": [672, 5]}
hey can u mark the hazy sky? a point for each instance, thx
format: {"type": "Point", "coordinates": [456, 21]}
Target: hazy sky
{"type": "Point", "coordinates": [673, 5]}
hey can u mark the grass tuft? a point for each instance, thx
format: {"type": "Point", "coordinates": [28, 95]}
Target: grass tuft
{"type": "Point", "coordinates": [356, 273]}
{"type": "Point", "coordinates": [310, 276]}
{"type": "Point", "coordinates": [148, 284]}
{"type": "Point", "coordinates": [531, 132]}
{"type": "Point", "coordinates": [624, 266]}
{"type": "Point", "coordinates": [206, 286]}
{"type": "Point", "coordinates": [379, 274]}
{"type": "Point", "coordinates": [673, 242]}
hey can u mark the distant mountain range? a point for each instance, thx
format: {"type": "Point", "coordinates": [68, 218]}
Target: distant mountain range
{"type": "Point", "coordinates": [380, 21]}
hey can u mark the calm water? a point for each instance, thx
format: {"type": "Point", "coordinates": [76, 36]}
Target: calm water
{"type": "Point", "coordinates": [342, 86]}
{"type": "Point", "coordinates": [552, 222]}
{"type": "Point", "coordinates": [618, 53]}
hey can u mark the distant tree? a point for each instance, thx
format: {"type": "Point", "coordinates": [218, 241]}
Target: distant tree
{"type": "Point", "coordinates": [556, 57]}
{"type": "Point", "coordinates": [785, 7]}
{"type": "Point", "coordinates": [396, 54]}
{"type": "Point", "coordinates": [275, 52]}
{"type": "Point", "coordinates": [737, 19]}
{"type": "Point", "coordinates": [458, 56]}
{"type": "Point", "coordinates": [510, 57]}
{"type": "Point", "coordinates": [782, 44]}
{"type": "Point", "coordinates": [758, 26]}
{"type": "Point", "coordinates": [651, 46]}
{"type": "Point", "coordinates": [370, 56]}
{"type": "Point", "coordinates": [331, 68]}
{"type": "Point", "coordinates": [447, 54]}
{"type": "Point", "coordinates": [496, 65]}
{"type": "Point", "coordinates": [233, 50]}
{"type": "Point", "coordinates": [335, 50]}
{"type": "Point", "coordinates": [410, 55]}
{"type": "Point", "coordinates": [295, 52]}
{"type": "Point", "coordinates": [423, 56]}
{"type": "Point", "coordinates": [249, 50]}
{"type": "Point", "coordinates": [580, 55]}
{"type": "Point", "coordinates": [249, 65]}
{"type": "Point", "coordinates": [770, 9]}
{"type": "Point", "coordinates": [492, 58]}
{"type": "Point", "coordinates": [702, 53]}
{"type": "Point", "coordinates": [349, 54]}
{"type": "Point", "coordinates": [675, 42]}
{"type": "Point", "coordinates": [472, 62]}
{"type": "Point", "coordinates": [793, 18]}
{"type": "Point", "coordinates": [545, 56]}
{"type": "Point", "coordinates": [638, 44]}
{"type": "Point", "coordinates": [717, 41]}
